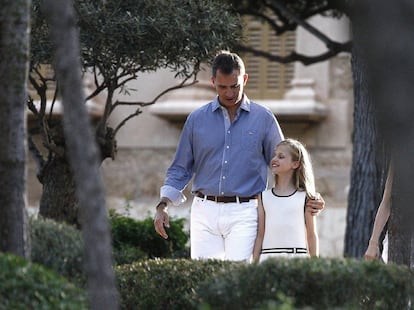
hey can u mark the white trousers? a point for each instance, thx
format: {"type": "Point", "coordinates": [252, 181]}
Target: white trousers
{"type": "Point", "coordinates": [225, 231]}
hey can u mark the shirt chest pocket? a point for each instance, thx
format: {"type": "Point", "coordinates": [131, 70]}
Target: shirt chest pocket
{"type": "Point", "coordinates": [250, 140]}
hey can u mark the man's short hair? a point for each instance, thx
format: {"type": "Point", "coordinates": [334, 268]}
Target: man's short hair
{"type": "Point", "coordinates": [226, 62]}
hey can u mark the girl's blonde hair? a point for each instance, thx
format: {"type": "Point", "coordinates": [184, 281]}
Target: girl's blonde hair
{"type": "Point", "coordinates": [303, 176]}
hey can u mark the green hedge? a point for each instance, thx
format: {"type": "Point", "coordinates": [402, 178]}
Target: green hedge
{"type": "Point", "coordinates": [274, 284]}
{"type": "Point", "coordinates": [318, 283]}
{"type": "Point", "coordinates": [58, 246]}
{"type": "Point", "coordinates": [165, 284]}
{"type": "Point", "coordinates": [24, 285]}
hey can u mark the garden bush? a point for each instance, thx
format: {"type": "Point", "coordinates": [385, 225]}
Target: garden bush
{"type": "Point", "coordinates": [165, 283]}
{"type": "Point", "coordinates": [25, 285]}
{"type": "Point", "coordinates": [317, 283]}
{"type": "Point", "coordinates": [136, 239]}
{"type": "Point", "coordinates": [274, 284]}
{"type": "Point", "coordinates": [58, 246]}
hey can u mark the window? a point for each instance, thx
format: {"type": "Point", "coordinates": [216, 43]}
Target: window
{"type": "Point", "coordinates": [267, 79]}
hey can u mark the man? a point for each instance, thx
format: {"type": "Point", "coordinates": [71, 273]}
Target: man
{"type": "Point", "coordinates": [225, 146]}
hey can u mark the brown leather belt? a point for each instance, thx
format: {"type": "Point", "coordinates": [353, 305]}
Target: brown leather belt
{"type": "Point", "coordinates": [226, 199]}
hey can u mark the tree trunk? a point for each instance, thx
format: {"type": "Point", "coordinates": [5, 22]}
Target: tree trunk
{"type": "Point", "coordinates": [84, 157]}
{"type": "Point", "coordinates": [368, 161]}
{"type": "Point", "coordinates": [14, 42]}
{"type": "Point", "coordinates": [58, 201]}
{"type": "Point", "coordinates": [399, 231]}
{"type": "Point", "coordinates": [387, 40]}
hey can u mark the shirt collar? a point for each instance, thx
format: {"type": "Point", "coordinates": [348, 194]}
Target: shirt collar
{"type": "Point", "coordinates": [245, 105]}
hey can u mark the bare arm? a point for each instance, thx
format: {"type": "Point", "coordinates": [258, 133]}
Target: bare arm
{"type": "Point", "coordinates": [311, 233]}
{"type": "Point", "coordinates": [260, 231]}
{"type": "Point", "coordinates": [381, 219]}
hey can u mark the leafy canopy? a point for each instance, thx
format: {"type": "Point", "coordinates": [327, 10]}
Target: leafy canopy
{"type": "Point", "coordinates": [126, 37]}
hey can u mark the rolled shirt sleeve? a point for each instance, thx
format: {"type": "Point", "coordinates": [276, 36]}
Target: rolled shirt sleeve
{"type": "Point", "coordinates": [174, 195]}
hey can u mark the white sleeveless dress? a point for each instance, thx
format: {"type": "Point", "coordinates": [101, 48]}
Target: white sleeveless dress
{"type": "Point", "coordinates": [285, 231]}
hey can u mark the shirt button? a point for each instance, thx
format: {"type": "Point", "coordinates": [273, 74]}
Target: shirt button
{"type": "Point", "coordinates": [225, 161]}
{"type": "Point", "coordinates": [224, 177]}
{"type": "Point", "coordinates": [228, 131]}
{"type": "Point", "coordinates": [227, 147]}
{"type": "Point", "coordinates": [222, 193]}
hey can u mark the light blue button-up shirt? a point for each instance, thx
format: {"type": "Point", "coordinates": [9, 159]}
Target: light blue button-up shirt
{"type": "Point", "coordinates": [223, 158]}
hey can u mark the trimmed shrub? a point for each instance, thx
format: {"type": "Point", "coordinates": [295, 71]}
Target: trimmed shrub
{"type": "Point", "coordinates": [274, 284]}
{"type": "Point", "coordinates": [318, 283]}
{"type": "Point", "coordinates": [126, 254]}
{"type": "Point", "coordinates": [165, 284]}
{"type": "Point", "coordinates": [138, 239]}
{"type": "Point", "coordinates": [24, 285]}
{"type": "Point", "coordinates": [58, 246]}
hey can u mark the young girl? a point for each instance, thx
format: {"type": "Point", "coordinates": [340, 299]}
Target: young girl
{"type": "Point", "coordinates": [286, 228]}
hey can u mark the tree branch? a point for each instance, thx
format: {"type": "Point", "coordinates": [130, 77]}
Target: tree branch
{"type": "Point", "coordinates": [39, 160]}
{"type": "Point", "coordinates": [277, 28]}
{"type": "Point", "coordinates": [291, 16]}
{"type": "Point", "coordinates": [293, 56]}
{"type": "Point", "coordinates": [143, 104]}
{"type": "Point", "coordinates": [126, 119]}
{"type": "Point", "coordinates": [53, 102]}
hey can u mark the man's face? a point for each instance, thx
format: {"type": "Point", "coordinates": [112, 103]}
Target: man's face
{"type": "Point", "coordinates": [229, 87]}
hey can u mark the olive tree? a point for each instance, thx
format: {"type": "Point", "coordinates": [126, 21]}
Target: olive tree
{"type": "Point", "coordinates": [119, 40]}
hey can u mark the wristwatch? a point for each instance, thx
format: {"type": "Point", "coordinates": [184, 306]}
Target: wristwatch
{"type": "Point", "coordinates": [161, 203]}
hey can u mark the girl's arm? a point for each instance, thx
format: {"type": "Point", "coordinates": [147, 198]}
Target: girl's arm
{"type": "Point", "coordinates": [381, 219]}
{"type": "Point", "coordinates": [311, 233]}
{"type": "Point", "coordinates": [260, 231]}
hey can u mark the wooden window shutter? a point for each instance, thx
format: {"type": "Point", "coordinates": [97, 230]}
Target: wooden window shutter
{"type": "Point", "coordinates": [267, 79]}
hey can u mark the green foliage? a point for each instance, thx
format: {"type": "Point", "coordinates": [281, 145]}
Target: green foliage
{"type": "Point", "coordinates": [126, 254]}
{"type": "Point", "coordinates": [144, 35]}
{"type": "Point", "coordinates": [24, 285]}
{"type": "Point", "coordinates": [59, 247]}
{"type": "Point", "coordinates": [165, 284]}
{"type": "Point", "coordinates": [318, 283]}
{"type": "Point", "coordinates": [134, 239]}
{"type": "Point", "coordinates": [275, 284]}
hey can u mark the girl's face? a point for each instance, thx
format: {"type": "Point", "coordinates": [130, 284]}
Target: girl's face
{"type": "Point", "coordinates": [282, 162]}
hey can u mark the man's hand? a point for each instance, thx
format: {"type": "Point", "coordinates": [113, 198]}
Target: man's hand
{"type": "Point", "coordinates": [315, 205]}
{"type": "Point", "coordinates": [161, 220]}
